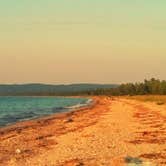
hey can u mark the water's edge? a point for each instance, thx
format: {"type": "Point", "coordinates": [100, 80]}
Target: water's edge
{"type": "Point", "coordinates": [78, 107]}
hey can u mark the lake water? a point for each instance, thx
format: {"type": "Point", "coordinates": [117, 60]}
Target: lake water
{"type": "Point", "coordinates": [15, 109]}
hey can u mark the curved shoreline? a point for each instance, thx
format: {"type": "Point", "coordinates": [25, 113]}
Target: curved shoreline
{"type": "Point", "coordinates": [28, 136]}
{"type": "Point", "coordinates": [24, 121]}
{"type": "Point", "coordinates": [113, 131]}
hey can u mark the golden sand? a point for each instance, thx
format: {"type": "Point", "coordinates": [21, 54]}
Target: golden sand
{"type": "Point", "coordinates": [112, 132]}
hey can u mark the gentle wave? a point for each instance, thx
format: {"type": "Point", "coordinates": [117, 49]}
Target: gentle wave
{"type": "Point", "coordinates": [16, 109]}
{"type": "Point", "coordinates": [80, 105]}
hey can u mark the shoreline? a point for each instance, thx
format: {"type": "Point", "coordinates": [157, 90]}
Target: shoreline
{"type": "Point", "coordinates": [21, 122]}
{"type": "Point", "coordinates": [25, 123]}
{"type": "Point", "coordinates": [112, 131]}
{"type": "Point", "coordinates": [31, 137]}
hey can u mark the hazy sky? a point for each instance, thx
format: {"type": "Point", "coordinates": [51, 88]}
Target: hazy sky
{"type": "Point", "coordinates": [73, 41]}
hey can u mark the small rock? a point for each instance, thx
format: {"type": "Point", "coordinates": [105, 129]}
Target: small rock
{"type": "Point", "coordinates": [18, 151]}
{"type": "Point", "coordinates": [133, 160]}
{"type": "Point", "coordinates": [69, 120]}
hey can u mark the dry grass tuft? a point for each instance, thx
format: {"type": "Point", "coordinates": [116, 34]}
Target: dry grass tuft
{"type": "Point", "coordinates": [158, 99]}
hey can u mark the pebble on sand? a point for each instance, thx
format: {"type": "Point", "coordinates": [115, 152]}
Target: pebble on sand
{"type": "Point", "coordinates": [18, 151]}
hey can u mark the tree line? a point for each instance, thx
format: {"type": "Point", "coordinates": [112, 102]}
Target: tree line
{"type": "Point", "coordinates": [148, 87]}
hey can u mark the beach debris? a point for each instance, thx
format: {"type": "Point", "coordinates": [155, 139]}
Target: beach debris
{"type": "Point", "coordinates": [73, 162]}
{"type": "Point", "coordinates": [160, 103]}
{"type": "Point", "coordinates": [39, 137]}
{"type": "Point", "coordinates": [18, 151]}
{"type": "Point", "coordinates": [18, 130]}
{"type": "Point", "coordinates": [133, 160]}
{"type": "Point", "coordinates": [69, 120]}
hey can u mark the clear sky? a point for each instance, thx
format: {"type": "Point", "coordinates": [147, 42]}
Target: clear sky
{"type": "Point", "coordinates": [74, 41]}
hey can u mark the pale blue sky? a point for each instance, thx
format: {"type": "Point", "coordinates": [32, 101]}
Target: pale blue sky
{"type": "Point", "coordinates": [82, 41]}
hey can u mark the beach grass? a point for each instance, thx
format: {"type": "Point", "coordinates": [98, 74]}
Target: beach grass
{"type": "Point", "coordinates": [158, 99]}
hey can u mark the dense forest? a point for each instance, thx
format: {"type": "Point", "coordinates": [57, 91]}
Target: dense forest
{"type": "Point", "coordinates": [148, 87]}
{"type": "Point", "coordinates": [51, 90]}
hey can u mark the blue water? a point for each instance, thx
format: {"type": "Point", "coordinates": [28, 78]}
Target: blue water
{"type": "Point", "coordinates": [14, 109]}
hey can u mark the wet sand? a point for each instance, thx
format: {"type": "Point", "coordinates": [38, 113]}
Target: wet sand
{"type": "Point", "coordinates": [112, 132]}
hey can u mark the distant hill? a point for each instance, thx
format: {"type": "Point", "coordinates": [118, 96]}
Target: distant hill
{"type": "Point", "coordinates": [44, 89]}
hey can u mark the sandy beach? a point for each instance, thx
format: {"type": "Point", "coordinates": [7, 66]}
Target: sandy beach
{"type": "Point", "coordinates": [111, 132]}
